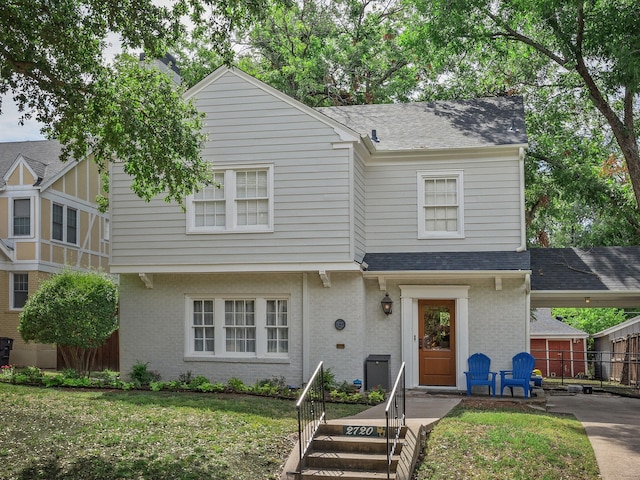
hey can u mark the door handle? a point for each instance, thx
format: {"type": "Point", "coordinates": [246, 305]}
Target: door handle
{"type": "Point", "coordinates": [419, 344]}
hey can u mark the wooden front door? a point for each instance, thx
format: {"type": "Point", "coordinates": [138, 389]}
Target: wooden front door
{"type": "Point", "coordinates": [437, 346]}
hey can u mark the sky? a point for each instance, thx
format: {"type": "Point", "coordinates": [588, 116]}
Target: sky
{"type": "Point", "coordinates": [10, 130]}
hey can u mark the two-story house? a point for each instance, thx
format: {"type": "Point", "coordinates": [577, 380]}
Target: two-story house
{"type": "Point", "coordinates": [316, 218]}
{"type": "Point", "coordinates": [48, 220]}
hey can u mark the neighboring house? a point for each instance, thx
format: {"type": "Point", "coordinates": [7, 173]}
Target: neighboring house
{"type": "Point", "coordinates": [619, 352]}
{"type": "Point", "coordinates": [560, 349]}
{"type": "Point", "coordinates": [48, 220]}
{"type": "Point", "coordinates": [316, 216]}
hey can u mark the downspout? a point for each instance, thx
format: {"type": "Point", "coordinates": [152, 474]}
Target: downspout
{"type": "Point", "coordinates": [523, 226]}
{"type": "Point", "coordinates": [527, 312]}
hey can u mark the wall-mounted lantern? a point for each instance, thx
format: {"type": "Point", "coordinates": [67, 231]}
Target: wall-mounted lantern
{"type": "Point", "coordinates": [386, 303]}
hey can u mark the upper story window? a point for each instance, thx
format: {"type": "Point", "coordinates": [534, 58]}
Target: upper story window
{"type": "Point", "coordinates": [240, 200]}
{"type": "Point", "coordinates": [19, 290]}
{"type": "Point", "coordinates": [440, 205]}
{"type": "Point", "coordinates": [21, 217]}
{"type": "Point", "coordinates": [64, 224]}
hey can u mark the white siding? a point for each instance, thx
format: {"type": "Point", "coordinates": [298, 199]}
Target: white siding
{"type": "Point", "coordinates": [491, 205]}
{"type": "Point", "coordinates": [312, 188]}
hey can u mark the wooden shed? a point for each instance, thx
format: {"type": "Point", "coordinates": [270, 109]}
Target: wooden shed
{"type": "Point", "coordinates": [560, 349]}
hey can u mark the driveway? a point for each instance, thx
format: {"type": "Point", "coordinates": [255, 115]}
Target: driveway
{"type": "Point", "coordinates": [613, 426]}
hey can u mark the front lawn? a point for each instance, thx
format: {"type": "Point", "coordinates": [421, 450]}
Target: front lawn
{"type": "Point", "coordinates": [501, 441]}
{"type": "Point", "coordinates": [49, 434]}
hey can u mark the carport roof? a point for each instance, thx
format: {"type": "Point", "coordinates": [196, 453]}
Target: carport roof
{"type": "Point", "coordinates": [560, 277]}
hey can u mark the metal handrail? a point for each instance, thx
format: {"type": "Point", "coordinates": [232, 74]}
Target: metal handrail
{"type": "Point", "coordinates": [309, 418]}
{"type": "Point", "coordinates": [395, 414]}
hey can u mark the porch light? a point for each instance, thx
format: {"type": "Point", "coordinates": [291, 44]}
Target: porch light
{"type": "Point", "coordinates": [386, 303]}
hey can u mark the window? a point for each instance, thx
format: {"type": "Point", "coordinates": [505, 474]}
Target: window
{"type": "Point", "coordinates": [240, 325]}
{"type": "Point", "coordinates": [247, 327]}
{"type": "Point", "coordinates": [21, 217]}
{"type": "Point", "coordinates": [64, 227]}
{"type": "Point", "coordinates": [240, 200]}
{"type": "Point", "coordinates": [440, 205]}
{"type": "Point", "coordinates": [203, 329]}
{"type": "Point", "coordinates": [277, 326]}
{"type": "Point", "coordinates": [20, 290]}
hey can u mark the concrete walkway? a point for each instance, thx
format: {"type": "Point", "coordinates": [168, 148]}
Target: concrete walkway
{"type": "Point", "coordinates": [613, 426]}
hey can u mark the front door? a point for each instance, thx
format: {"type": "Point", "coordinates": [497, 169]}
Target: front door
{"type": "Point", "coordinates": [437, 352]}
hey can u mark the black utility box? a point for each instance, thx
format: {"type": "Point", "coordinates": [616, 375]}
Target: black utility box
{"type": "Point", "coordinates": [378, 373]}
{"type": "Point", "coordinates": [6, 344]}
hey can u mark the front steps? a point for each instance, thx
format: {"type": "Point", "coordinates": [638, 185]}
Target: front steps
{"type": "Point", "coordinates": [351, 453]}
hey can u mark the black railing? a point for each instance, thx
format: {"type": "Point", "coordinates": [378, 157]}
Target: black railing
{"type": "Point", "coordinates": [311, 411]}
{"type": "Point", "coordinates": [395, 414]}
{"type": "Point", "coordinates": [605, 366]}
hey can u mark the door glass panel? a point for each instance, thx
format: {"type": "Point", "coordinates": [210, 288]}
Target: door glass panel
{"type": "Point", "coordinates": [437, 326]}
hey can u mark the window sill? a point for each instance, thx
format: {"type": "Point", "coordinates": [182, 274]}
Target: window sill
{"type": "Point", "coordinates": [261, 360]}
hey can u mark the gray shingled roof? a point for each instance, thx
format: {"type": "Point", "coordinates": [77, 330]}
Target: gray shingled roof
{"type": "Point", "coordinates": [545, 325]}
{"type": "Point", "coordinates": [451, 261]}
{"type": "Point", "coordinates": [443, 124]}
{"type": "Point", "coordinates": [598, 268]}
{"type": "Point", "coordinates": [41, 155]}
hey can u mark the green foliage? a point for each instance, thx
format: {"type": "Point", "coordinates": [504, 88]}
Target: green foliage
{"type": "Point", "coordinates": [591, 320]}
{"type": "Point", "coordinates": [329, 379]}
{"type": "Point", "coordinates": [52, 62]}
{"type": "Point", "coordinates": [581, 88]}
{"type": "Point", "coordinates": [211, 387]}
{"type": "Point", "coordinates": [141, 375]}
{"type": "Point", "coordinates": [75, 310]}
{"type": "Point", "coordinates": [237, 385]}
{"type": "Point", "coordinates": [27, 375]}
{"type": "Point", "coordinates": [375, 396]}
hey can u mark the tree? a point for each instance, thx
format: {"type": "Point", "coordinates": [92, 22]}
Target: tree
{"type": "Point", "coordinates": [52, 62]}
{"type": "Point", "coordinates": [76, 311]}
{"type": "Point", "coordinates": [591, 320]}
{"type": "Point", "coordinates": [327, 53]}
{"type": "Point", "coordinates": [591, 49]}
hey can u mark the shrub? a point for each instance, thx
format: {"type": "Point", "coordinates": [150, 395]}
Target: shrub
{"type": "Point", "coordinates": [142, 376]}
{"type": "Point", "coordinates": [237, 385]}
{"type": "Point", "coordinates": [195, 382]}
{"type": "Point", "coordinates": [75, 310]}
{"type": "Point", "coordinates": [30, 375]}
{"type": "Point", "coordinates": [375, 396]}
{"type": "Point", "coordinates": [211, 387]}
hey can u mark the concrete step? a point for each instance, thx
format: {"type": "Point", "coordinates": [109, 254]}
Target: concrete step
{"type": "Point", "coordinates": [350, 461]}
{"type": "Point", "coordinates": [320, 474]}
{"type": "Point", "coordinates": [341, 443]}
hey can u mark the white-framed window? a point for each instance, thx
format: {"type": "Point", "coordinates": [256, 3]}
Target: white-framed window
{"type": "Point", "coordinates": [277, 326]}
{"type": "Point", "coordinates": [64, 224]}
{"type": "Point", "coordinates": [219, 327]}
{"type": "Point", "coordinates": [240, 199]}
{"type": "Point", "coordinates": [19, 290]}
{"type": "Point", "coordinates": [21, 217]}
{"type": "Point", "coordinates": [440, 204]}
{"type": "Point", "coordinates": [202, 326]}
{"type": "Point", "coordinates": [240, 326]}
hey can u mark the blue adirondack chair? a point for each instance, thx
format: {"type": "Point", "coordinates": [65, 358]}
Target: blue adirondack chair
{"type": "Point", "coordinates": [479, 373]}
{"type": "Point", "coordinates": [520, 375]}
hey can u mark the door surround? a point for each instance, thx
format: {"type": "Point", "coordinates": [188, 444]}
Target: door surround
{"type": "Point", "coordinates": [409, 296]}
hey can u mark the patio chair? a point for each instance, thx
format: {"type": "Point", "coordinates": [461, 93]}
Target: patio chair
{"type": "Point", "coordinates": [520, 375]}
{"type": "Point", "coordinates": [479, 373]}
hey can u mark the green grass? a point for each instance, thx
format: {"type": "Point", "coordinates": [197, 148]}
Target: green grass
{"type": "Point", "coordinates": [70, 434]}
{"type": "Point", "coordinates": [503, 443]}
{"type": "Point", "coordinates": [89, 435]}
